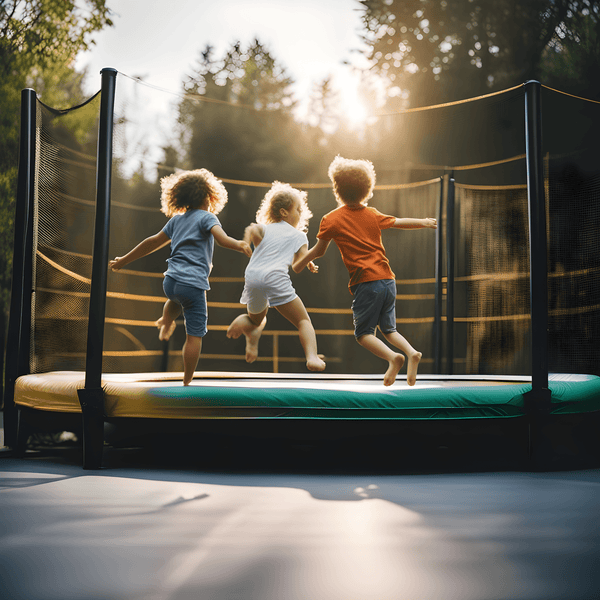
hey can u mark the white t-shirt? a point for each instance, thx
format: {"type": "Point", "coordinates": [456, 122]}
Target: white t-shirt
{"type": "Point", "coordinates": [276, 251]}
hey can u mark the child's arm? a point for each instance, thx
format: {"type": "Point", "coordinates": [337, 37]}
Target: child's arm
{"type": "Point", "coordinates": [301, 254]}
{"type": "Point", "coordinates": [226, 241]}
{"type": "Point", "coordinates": [316, 251]}
{"type": "Point", "coordinates": [148, 246]}
{"type": "Point", "coordinates": [254, 234]}
{"type": "Point", "coordinates": [428, 223]}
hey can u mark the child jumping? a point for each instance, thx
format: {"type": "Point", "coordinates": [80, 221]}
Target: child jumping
{"type": "Point", "coordinates": [191, 199]}
{"type": "Point", "coordinates": [279, 239]}
{"type": "Point", "coordinates": [356, 229]}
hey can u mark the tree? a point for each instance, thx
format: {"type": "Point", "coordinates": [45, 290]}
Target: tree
{"type": "Point", "coordinates": [443, 51]}
{"type": "Point", "coordinates": [571, 61]}
{"type": "Point", "coordinates": [39, 40]}
{"type": "Point", "coordinates": [42, 33]}
{"type": "Point", "coordinates": [238, 118]}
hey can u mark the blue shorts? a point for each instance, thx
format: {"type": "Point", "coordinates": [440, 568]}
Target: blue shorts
{"type": "Point", "coordinates": [193, 305]}
{"type": "Point", "coordinates": [374, 304]}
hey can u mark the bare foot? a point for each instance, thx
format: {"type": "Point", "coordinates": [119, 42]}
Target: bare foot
{"type": "Point", "coordinates": [252, 344]}
{"type": "Point", "coordinates": [234, 331]}
{"type": "Point", "coordinates": [413, 365]}
{"type": "Point", "coordinates": [316, 364]}
{"type": "Point", "coordinates": [395, 365]}
{"type": "Point", "coordinates": [166, 329]}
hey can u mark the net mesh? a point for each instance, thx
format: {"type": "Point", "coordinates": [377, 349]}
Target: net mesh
{"type": "Point", "coordinates": [64, 200]}
{"type": "Point", "coordinates": [481, 143]}
{"type": "Point", "coordinates": [573, 187]}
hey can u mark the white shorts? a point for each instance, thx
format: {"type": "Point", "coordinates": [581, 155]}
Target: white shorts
{"type": "Point", "coordinates": [264, 290]}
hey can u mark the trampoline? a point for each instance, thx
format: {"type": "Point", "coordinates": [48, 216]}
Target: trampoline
{"type": "Point", "coordinates": [61, 370]}
{"type": "Point", "coordinates": [227, 395]}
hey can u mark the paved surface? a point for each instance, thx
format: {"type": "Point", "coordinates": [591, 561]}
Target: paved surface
{"type": "Point", "coordinates": [144, 530]}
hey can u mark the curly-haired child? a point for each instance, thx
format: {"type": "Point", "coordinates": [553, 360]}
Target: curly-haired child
{"type": "Point", "coordinates": [192, 200]}
{"type": "Point", "coordinates": [356, 229]}
{"type": "Point", "coordinates": [279, 238]}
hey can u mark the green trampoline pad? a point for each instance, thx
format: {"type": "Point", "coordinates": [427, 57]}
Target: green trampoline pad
{"type": "Point", "coordinates": [224, 395]}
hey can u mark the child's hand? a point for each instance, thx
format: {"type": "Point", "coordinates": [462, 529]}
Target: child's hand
{"type": "Point", "coordinates": [246, 249]}
{"type": "Point", "coordinates": [312, 267]}
{"type": "Point", "coordinates": [113, 264]}
{"type": "Point", "coordinates": [430, 223]}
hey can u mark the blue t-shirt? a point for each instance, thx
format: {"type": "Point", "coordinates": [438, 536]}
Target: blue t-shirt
{"type": "Point", "coordinates": [192, 246]}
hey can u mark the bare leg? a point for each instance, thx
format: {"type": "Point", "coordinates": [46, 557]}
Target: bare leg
{"type": "Point", "coordinates": [191, 355]}
{"type": "Point", "coordinates": [374, 345]}
{"type": "Point", "coordinates": [166, 324]}
{"type": "Point", "coordinates": [250, 325]}
{"type": "Point", "coordinates": [296, 314]}
{"type": "Point", "coordinates": [413, 355]}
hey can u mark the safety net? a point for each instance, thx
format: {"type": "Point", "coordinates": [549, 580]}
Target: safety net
{"type": "Point", "coordinates": [472, 152]}
{"type": "Point", "coordinates": [63, 231]}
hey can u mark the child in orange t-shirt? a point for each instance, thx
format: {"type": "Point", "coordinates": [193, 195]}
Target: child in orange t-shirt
{"type": "Point", "coordinates": [356, 229]}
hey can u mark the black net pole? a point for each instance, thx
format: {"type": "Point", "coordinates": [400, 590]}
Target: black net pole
{"type": "Point", "coordinates": [538, 400]}
{"type": "Point", "coordinates": [450, 275]}
{"type": "Point", "coordinates": [537, 238]}
{"type": "Point", "coordinates": [91, 397]}
{"type": "Point", "coordinates": [19, 325]}
{"type": "Point", "coordinates": [437, 321]}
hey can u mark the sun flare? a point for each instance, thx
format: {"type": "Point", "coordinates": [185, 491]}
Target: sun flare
{"type": "Point", "coordinates": [355, 111]}
{"type": "Point", "coordinates": [354, 108]}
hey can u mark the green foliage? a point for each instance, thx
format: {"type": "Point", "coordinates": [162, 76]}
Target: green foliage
{"type": "Point", "coordinates": [572, 60]}
{"type": "Point", "coordinates": [41, 33]}
{"type": "Point", "coordinates": [39, 40]}
{"type": "Point", "coordinates": [244, 128]}
{"type": "Point", "coordinates": [442, 50]}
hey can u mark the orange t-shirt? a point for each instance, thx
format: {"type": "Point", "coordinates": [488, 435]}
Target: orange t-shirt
{"type": "Point", "coordinates": [357, 233]}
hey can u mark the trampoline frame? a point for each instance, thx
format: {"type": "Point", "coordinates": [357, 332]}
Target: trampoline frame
{"type": "Point", "coordinates": [91, 397]}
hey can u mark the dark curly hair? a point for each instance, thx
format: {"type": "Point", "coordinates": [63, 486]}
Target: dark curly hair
{"type": "Point", "coordinates": [187, 190]}
{"type": "Point", "coordinates": [353, 180]}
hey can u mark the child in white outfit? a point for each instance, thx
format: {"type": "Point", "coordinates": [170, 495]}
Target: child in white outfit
{"type": "Point", "coordinates": [279, 239]}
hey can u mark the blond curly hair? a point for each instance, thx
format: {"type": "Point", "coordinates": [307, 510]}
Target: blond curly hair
{"type": "Point", "coordinates": [282, 195]}
{"type": "Point", "coordinates": [187, 190]}
{"type": "Point", "coordinates": [353, 180]}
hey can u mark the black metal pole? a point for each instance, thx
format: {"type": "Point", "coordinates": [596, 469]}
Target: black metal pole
{"type": "Point", "coordinates": [537, 237]}
{"type": "Point", "coordinates": [538, 400]}
{"type": "Point", "coordinates": [437, 319]}
{"type": "Point", "coordinates": [450, 274]}
{"type": "Point", "coordinates": [19, 325]}
{"type": "Point", "coordinates": [91, 397]}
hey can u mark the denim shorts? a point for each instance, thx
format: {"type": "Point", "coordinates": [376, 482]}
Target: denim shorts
{"type": "Point", "coordinates": [193, 305]}
{"type": "Point", "coordinates": [374, 304]}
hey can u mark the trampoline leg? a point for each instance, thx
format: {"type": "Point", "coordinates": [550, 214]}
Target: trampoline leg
{"type": "Point", "coordinates": [541, 450]}
{"type": "Point", "coordinates": [21, 435]}
{"type": "Point", "coordinates": [92, 412]}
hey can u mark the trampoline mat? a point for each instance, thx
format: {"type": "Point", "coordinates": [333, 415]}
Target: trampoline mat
{"type": "Point", "coordinates": [226, 395]}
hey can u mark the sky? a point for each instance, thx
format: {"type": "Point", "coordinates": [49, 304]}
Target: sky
{"type": "Point", "coordinates": [161, 40]}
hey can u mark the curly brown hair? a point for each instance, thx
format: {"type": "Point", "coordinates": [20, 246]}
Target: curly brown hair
{"type": "Point", "coordinates": [187, 190]}
{"type": "Point", "coordinates": [282, 195]}
{"type": "Point", "coordinates": [353, 180]}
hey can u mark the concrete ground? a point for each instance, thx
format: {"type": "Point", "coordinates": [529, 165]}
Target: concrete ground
{"type": "Point", "coordinates": [150, 527]}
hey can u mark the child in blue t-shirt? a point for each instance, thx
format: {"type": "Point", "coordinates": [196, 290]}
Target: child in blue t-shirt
{"type": "Point", "coordinates": [191, 199]}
